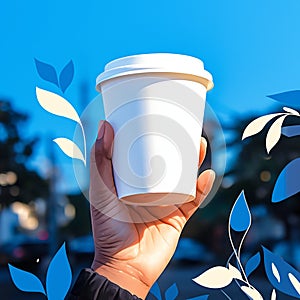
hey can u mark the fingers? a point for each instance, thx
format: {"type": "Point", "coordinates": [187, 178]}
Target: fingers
{"type": "Point", "coordinates": [202, 153]}
{"type": "Point", "coordinates": [205, 183]}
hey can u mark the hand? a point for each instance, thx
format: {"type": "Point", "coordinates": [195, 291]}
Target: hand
{"type": "Point", "coordinates": [132, 249]}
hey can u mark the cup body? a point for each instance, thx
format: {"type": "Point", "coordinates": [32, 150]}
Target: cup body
{"type": "Point", "coordinates": [157, 119]}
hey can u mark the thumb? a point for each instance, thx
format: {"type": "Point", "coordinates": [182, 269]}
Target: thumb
{"type": "Point", "coordinates": [102, 186]}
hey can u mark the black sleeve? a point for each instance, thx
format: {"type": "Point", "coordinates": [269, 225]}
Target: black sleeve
{"type": "Point", "coordinates": [92, 286]}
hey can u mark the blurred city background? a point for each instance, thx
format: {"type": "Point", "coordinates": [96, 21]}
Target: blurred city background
{"type": "Point", "coordinates": [36, 217]}
{"type": "Point", "coordinates": [251, 53]}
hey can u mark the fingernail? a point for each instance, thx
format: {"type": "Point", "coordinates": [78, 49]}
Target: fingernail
{"type": "Point", "coordinates": [212, 176]}
{"type": "Point", "coordinates": [204, 141]}
{"type": "Point", "coordinates": [101, 130]}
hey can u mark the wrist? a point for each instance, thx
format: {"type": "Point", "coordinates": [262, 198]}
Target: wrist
{"type": "Point", "coordinates": [123, 278]}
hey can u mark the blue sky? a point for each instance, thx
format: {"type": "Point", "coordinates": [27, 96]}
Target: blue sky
{"type": "Point", "coordinates": [252, 48]}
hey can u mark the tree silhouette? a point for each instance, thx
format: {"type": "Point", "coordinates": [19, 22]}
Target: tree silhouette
{"type": "Point", "coordinates": [17, 181]}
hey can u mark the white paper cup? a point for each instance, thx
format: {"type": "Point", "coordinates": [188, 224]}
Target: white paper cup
{"type": "Point", "coordinates": [155, 103]}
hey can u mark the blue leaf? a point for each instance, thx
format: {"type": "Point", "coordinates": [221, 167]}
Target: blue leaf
{"type": "Point", "coordinates": [172, 292]}
{"type": "Point", "coordinates": [46, 71]}
{"type": "Point", "coordinates": [66, 76]}
{"type": "Point", "coordinates": [202, 297]}
{"type": "Point", "coordinates": [252, 264]}
{"type": "Point", "coordinates": [291, 131]}
{"type": "Point", "coordinates": [240, 217]}
{"type": "Point", "coordinates": [273, 261]}
{"type": "Point", "coordinates": [155, 291]}
{"type": "Point", "coordinates": [287, 183]}
{"type": "Point", "coordinates": [25, 281]}
{"type": "Point", "coordinates": [291, 97]}
{"type": "Point", "coordinates": [59, 275]}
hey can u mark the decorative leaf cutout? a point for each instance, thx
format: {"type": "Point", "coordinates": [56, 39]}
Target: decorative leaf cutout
{"type": "Point", "coordinates": [66, 76]}
{"type": "Point", "coordinates": [258, 124]}
{"type": "Point", "coordinates": [215, 278]}
{"type": "Point", "coordinates": [46, 71]}
{"type": "Point", "coordinates": [240, 217]}
{"type": "Point", "coordinates": [235, 272]}
{"type": "Point", "coordinates": [287, 183]}
{"type": "Point", "coordinates": [252, 264]}
{"type": "Point", "coordinates": [273, 295]}
{"type": "Point", "coordinates": [275, 272]}
{"type": "Point", "coordinates": [274, 133]}
{"type": "Point", "coordinates": [295, 282]}
{"type": "Point", "coordinates": [69, 148]}
{"type": "Point", "coordinates": [155, 291]}
{"type": "Point", "coordinates": [56, 105]}
{"type": "Point", "coordinates": [251, 292]}
{"type": "Point", "coordinates": [202, 297]}
{"type": "Point", "coordinates": [172, 292]}
{"type": "Point", "coordinates": [291, 97]}
{"type": "Point", "coordinates": [59, 275]}
{"type": "Point", "coordinates": [284, 269]}
{"type": "Point", "coordinates": [25, 281]}
{"type": "Point", "coordinates": [291, 111]}
{"type": "Point", "coordinates": [291, 131]}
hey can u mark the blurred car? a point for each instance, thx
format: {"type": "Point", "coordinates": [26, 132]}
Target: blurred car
{"type": "Point", "coordinates": [24, 251]}
{"type": "Point", "coordinates": [191, 251]}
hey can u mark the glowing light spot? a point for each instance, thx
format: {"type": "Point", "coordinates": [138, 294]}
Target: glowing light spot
{"type": "Point", "coordinates": [70, 211]}
{"type": "Point", "coordinates": [265, 176]}
{"type": "Point", "coordinates": [11, 178]}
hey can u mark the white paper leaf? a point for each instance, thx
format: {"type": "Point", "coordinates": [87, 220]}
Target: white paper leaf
{"type": "Point", "coordinates": [295, 282]}
{"type": "Point", "coordinates": [275, 272]}
{"type": "Point", "coordinates": [69, 148]}
{"type": "Point", "coordinates": [252, 293]}
{"type": "Point", "coordinates": [56, 105]}
{"type": "Point", "coordinates": [274, 133]}
{"type": "Point", "coordinates": [215, 278]}
{"type": "Point", "coordinates": [292, 111]}
{"type": "Point", "coordinates": [258, 124]}
{"type": "Point", "coordinates": [235, 272]}
{"type": "Point", "coordinates": [273, 295]}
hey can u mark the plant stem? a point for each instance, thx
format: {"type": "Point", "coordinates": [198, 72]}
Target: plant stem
{"type": "Point", "coordinates": [237, 256]}
{"type": "Point", "coordinates": [226, 295]}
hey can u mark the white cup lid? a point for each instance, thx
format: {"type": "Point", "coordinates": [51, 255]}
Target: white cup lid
{"type": "Point", "coordinates": [156, 63]}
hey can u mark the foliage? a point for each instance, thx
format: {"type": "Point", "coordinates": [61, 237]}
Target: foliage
{"type": "Point", "coordinates": [58, 105]}
{"type": "Point", "coordinates": [281, 275]}
{"type": "Point", "coordinates": [55, 289]}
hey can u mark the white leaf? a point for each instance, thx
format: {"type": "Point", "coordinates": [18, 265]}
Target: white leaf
{"type": "Point", "coordinates": [215, 278]}
{"type": "Point", "coordinates": [56, 105]}
{"type": "Point", "coordinates": [69, 148]}
{"type": "Point", "coordinates": [295, 282]}
{"type": "Point", "coordinates": [275, 272]}
{"type": "Point", "coordinates": [292, 111]}
{"type": "Point", "coordinates": [258, 124]}
{"type": "Point", "coordinates": [274, 133]}
{"type": "Point", "coordinates": [273, 295]}
{"type": "Point", "coordinates": [235, 272]}
{"type": "Point", "coordinates": [252, 293]}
